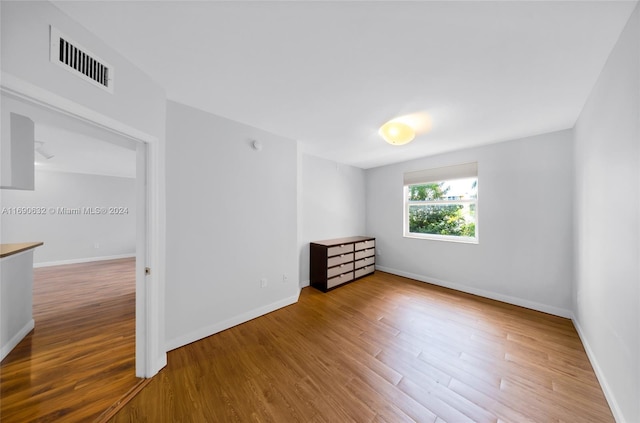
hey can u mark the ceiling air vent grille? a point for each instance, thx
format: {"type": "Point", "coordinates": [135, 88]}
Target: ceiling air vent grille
{"type": "Point", "coordinates": [80, 61]}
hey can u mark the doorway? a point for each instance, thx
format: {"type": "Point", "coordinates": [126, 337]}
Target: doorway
{"type": "Point", "coordinates": [149, 353]}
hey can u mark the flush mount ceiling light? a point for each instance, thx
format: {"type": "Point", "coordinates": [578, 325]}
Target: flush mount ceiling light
{"type": "Point", "coordinates": [397, 133]}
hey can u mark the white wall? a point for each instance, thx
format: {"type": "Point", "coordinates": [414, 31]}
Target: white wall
{"type": "Point", "coordinates": [231, 221]}
{"type": "Point", "coordinates": [137, 106]}
{"type": "Point", "coordinates": [72, 238]}
{"type": "Point", "coordinates": [525, 227]}
{"type": "Point", "coordinates": [333, 204]}
{"type": "Point", "coordinates": [136, 101]}
{"type": "Point", "coordinates": [607, 216]}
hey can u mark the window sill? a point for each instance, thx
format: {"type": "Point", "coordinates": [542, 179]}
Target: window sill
{"type": "Point", "coordinates": [446, 238]}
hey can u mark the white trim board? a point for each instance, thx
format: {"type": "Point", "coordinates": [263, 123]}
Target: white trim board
{"type": "Point", "coordinates": [11, 344]}
{"type": "Point", "coordinates": [556, 311]}
{"type": "Point", "coordinates": [611, 399]}
{"type": "Point", "coordinates": [20, 88]}
{"type": "Point", "coordinates": [38, 169]}
{"type": "Point", "coordinates": [229, 323]}
{"type": "Point", "coordinates": [81, 260]}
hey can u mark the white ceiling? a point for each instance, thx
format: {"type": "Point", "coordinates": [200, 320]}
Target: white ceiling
{"type": "Point", "coordinates": [78, 153]}
{"type": "Point", "coordinates": [328, 74]}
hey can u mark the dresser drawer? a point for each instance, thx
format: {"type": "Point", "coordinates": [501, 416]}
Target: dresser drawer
{"type": "Point", "coordinates": [365, 262]}
{"type": "Point", "coordinates": [364, 271]}
{"type": "Point", "coordinates": [365, 244]}
{"type": "Point", "coordinates": [342, 258]}
{"type": "Point", "coordinates": [345, 277]}
{"type": "Point", "coordinates": [332, 261]}
{"type": "Point", "coordinates": [340, 249]}
{"type": "Point", "coordinates": [365, 253]}
{"type": "Point", "coordinates": [338, 270]}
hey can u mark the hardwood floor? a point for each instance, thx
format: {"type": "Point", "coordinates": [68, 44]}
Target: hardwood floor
{"type": "Point", "coordinates": [80, 358]}
{"type": "Point", "coordinates": [381, 349]}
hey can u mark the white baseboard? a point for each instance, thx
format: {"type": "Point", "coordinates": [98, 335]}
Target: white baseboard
{"type": "Point", "coordinates": [229, 323]}
{"type": "Point", "coordinates": [611, 399]}
{"type": "Point", "coordinates": [11, 344]}
{"type": "Point", "coordinates": [556, 311]}
{"type": "Point", "coordinates": [82, 260]}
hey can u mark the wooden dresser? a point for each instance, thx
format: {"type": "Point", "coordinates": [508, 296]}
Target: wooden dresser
{"type": "Point", "coordinates": [341, 260]}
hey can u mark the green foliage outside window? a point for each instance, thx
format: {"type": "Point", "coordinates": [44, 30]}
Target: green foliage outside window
{"type": "Point", "coordinates": [440, 219]}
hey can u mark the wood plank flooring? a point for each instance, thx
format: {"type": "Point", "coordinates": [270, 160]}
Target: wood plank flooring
{"type": "Point", "coordinates": [381, 349]}
{"type": "Point", "coordinates": [80, 358]}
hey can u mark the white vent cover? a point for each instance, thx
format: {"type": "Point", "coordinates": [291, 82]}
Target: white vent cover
{"type": "Point", "coordinates": [80, 61]}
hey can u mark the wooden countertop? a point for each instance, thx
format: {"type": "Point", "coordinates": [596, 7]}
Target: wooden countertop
{"type": "Point", "coordinates": [10, 249]}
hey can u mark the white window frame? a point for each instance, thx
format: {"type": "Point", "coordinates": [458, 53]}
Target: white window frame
{"type": "Point", "coordinates": [437, 175]}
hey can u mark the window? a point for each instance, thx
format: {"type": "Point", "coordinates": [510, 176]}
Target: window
{"type": "Point", "coordinates": [442, 203]}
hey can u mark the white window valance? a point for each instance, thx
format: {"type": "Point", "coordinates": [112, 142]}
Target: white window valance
{"type": "Point", "coordinates": [466, 170]}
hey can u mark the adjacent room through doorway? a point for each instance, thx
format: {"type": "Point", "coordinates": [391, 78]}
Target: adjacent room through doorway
{"type": "Point", "coordinates": [80, 359]}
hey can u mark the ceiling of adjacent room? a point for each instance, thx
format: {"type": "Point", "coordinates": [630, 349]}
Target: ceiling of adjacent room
{"type": "Point", "coordinates": [65, 143]}
{"type": "Point", "coordinates": [328, 74]}
{"type": "Point", "coordinates": [79, 153]}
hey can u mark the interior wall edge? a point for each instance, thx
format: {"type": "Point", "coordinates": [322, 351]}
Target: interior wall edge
{"type": "Point", "coordinates": [606, 389]}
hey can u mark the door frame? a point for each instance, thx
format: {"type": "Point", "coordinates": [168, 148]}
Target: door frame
{"type": "Point", "coordinates": [151, 354]}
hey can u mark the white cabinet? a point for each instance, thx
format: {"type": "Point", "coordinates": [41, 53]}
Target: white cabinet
{"type": "Point", "coordinates": [17, 149]}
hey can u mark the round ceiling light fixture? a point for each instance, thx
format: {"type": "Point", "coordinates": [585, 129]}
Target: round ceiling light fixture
{"type": "Point", "coordinates": [397, 133]}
